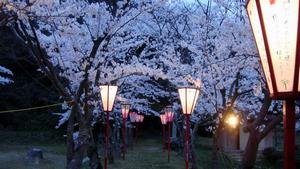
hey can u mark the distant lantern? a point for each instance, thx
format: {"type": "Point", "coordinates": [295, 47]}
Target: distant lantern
{"type": "Point", "coordinates": [169, 113]}
{"type": "Point", "coordinates": [133, 117]}
{"type": "Point", "coordinates": [163, 119]}
{"type": "Point", "coordinates": [188, 97]}
{"type": "Point", "coordinates": [169, 118]}
{"type": "Point", "coordinates": [108, 95]}
{"type": "Point", "coordinates": [125, 109]}
{"type": "Point", "coordinates": [275, 25]}
{"type": "Point", "coordinates": [142, 118]}
{"type": "Point", "coordinates": [139, 118]}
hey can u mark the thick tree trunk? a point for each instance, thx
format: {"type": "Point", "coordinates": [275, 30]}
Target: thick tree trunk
{"type": "Point", "coordinates": [92, 153]}
{"type": "Point", "coordinates": [249, 157]}
{"type": "Point", "coordinates": [85, 142]}
{"type": "Point", "coordinates": [215, 150]}
{"type": "Point", "coordinates": [255, 136]}
{"type": "Point", "coordinates": [70, 131]}
{"type": "Point", "coordinates": [216, 146]}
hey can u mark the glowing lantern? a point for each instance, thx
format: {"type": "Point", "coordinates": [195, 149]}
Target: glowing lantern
{"type": "Point", "coordinates": [108, 95]}
{"type": "Point", "coordinates": [188, 97]}
{"type": "Point", "coordinates": [125, 110]}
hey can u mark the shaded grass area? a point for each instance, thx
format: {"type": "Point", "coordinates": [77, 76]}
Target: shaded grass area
{"type": "Point", "coordinates": [146, 154]}
{"type": "Point", "coordinates": [204, 155]}
{"type": "Point", "coordinates": [14, 157]}
{"type": "Point", "coordinates": [15, 145]}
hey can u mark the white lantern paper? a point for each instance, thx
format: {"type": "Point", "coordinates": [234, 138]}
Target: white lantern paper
{"type": "Point", "coordinates": [125, 110]}
{"type": "Point", "coordinates": [188, 97]}
{"type": "Point", "coordinates": [275, 27]}
{"type": "Point", "coordinates": [108, 95]}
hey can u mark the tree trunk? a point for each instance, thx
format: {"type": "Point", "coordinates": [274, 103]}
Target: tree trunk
{"type": "Point", "coordinates": [255, 136]}
{"type": "Point", "coordinates": [249, 157]}
{"type": "Point", "coordinates": [85, 140]}
{"type": "Point", "coordinates": [215, 150]}
{"type": "Point", "coordinates": [92, 152]}
{"type": "Point", "coordinates": [216, 145]}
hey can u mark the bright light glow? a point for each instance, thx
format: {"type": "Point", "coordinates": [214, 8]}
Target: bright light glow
{"type": "Point", "coordinates": [281, 22]}
{"type": "Point", "coordinates": [108, 95]}
{"type": "Point", "coordinates": [256, 27]}
{"type": "Point", "coordinates": [125, 110]}
{"type": "Point", "coordinates": [188, 97]}
{"type": "Point", "coordinates": [163, 119]}
{"type": "Point", "coordinates": [232, 120]}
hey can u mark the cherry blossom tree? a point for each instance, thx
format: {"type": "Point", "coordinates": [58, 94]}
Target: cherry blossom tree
{"type": "Point", "coordinates": [4, 79]}
{"type": "Point", "coordinates": [147, 48]}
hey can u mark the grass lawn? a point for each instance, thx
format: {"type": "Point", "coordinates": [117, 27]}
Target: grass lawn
{"type": "Point", "coordinates": [13, 157]}
{"type": "Point", "coordinates": [146, 154]}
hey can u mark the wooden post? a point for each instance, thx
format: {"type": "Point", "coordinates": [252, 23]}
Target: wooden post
{"type": "Point", "coordinates": [169, 146]}
{"type": "Point", "coordinates": [106, 141]}
{"type": "Point", "coordinates": [187, 135]}
{"type": "Point", "coordinates": [164, 137]}
{"type": "Point", "coordinates": [124, 137]}
{"type": "Point", "coordinates": [289, 134]}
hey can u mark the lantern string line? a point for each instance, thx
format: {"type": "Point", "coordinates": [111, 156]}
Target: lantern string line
{"type": "Point", "coordinates": [33, 108]}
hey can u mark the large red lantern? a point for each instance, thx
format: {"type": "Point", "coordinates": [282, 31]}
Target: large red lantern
{"type": "Point", "coordinates": [275, 25]}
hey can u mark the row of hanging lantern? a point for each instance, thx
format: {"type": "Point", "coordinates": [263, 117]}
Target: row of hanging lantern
{"type": "Point", "coordinates": [108, 95]}
{"type": "Point", "coordinates": [188, 98]}
{"type": "Point", "coordinates": [136, 119]}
